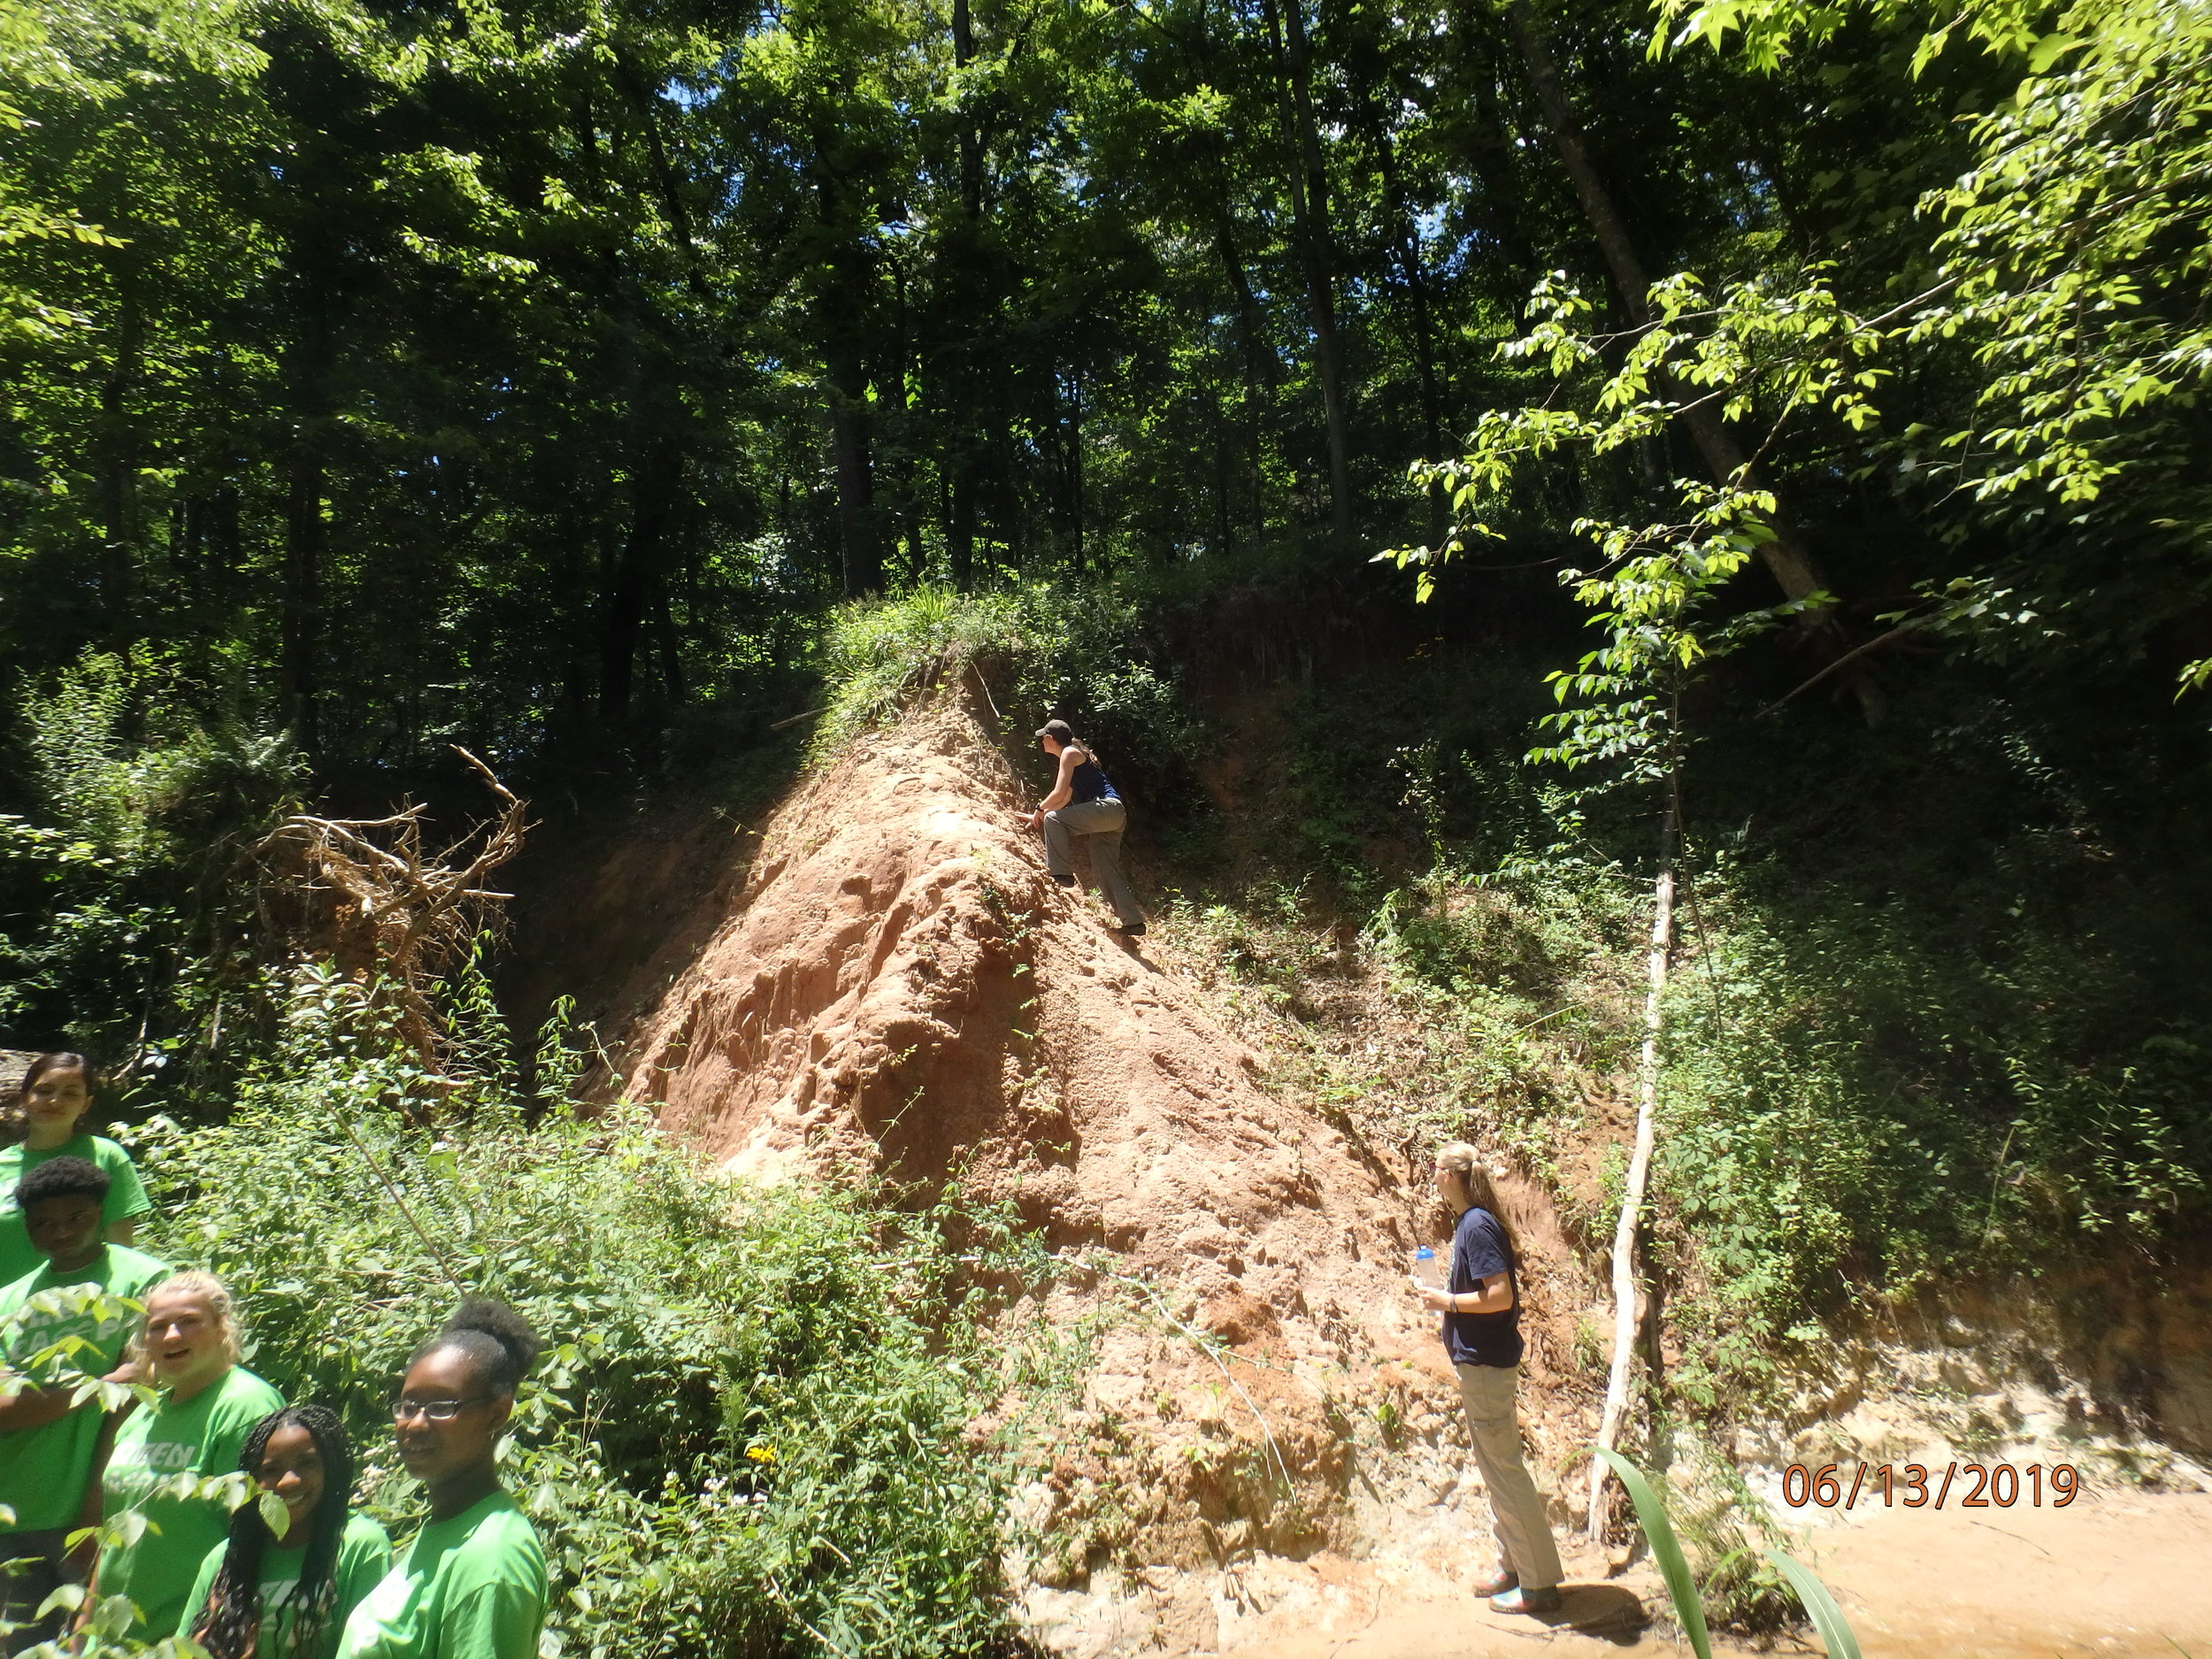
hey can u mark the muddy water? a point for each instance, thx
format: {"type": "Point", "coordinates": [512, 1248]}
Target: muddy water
{"type": "Point", "coordinates": [2118, 1575]}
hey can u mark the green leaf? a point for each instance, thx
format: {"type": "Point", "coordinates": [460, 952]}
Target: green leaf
{"type": "Point", "coordinates": [1820, 1606]}
{"type": "Point", "coordinates": [1666, 1551]}
{"type": "Point", "coordinates": [65, 1598]}
{"type": "Point", "coordinates": [274, 1516]}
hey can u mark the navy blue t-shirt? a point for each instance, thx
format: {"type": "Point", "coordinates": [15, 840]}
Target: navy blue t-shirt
{"type": "Point", "coordinates": [1480, 1249]}
{"type": "Point", "coordinates": [1089, 782]}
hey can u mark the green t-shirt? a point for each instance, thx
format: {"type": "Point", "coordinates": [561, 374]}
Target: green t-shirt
{"type": "Point", "coordinates": [201, 1436]}
{"type": "Point", "coordinates": [472, 1587]}
{"type": "Point", "coordinates": [127, 1197]}
{"type": "Point", "coordinates": [363, 1555]}
{"type": "Point", "coordinates": [43, 1470]}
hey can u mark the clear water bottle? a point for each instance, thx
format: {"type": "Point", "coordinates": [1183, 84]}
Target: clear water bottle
{"type": "Point", "coordinates": [1424, 1265]}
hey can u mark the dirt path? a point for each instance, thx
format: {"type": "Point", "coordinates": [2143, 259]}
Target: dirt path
{"type": "Point", "coordinates": [2109, 1574]}
{"type": "Point", "coordinates": [2118, 1575]}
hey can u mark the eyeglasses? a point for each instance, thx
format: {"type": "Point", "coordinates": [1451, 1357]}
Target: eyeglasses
{"type": "Point", "coordinates": [437, 1410]}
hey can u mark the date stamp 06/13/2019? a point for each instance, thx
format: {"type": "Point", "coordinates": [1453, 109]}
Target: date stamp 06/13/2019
{"type": "Point", "coordinates": [1917, 1486]}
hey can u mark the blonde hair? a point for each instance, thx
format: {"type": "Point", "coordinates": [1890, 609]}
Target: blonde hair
{"type": "Point", "coordinates": [209, 1289]}
{"type": "Point", "coordinates": [1460, 1158]}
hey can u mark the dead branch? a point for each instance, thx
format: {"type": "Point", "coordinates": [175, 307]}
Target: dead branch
{"type": "Point", "coordinates": [394, 913]}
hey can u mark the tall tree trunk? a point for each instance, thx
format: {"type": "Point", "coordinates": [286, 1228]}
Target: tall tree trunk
{"type": "Point", "coordinates": [1407, 236]}
{"type": "Point", "coordinates": [1072, 472]}
{"type": "Point", "coordinates": [1309, 213]}
{"type": "Point", "coordinates": [971, 134]}
{"type": "Point", "coordinates": [862, 554]}
{"type": "Point", "coordinates": [1415, 279]}
{"type": "Point", "coordinates": [1254, 371]}
{"type": "Point", "coordinates": [645, 105]}
{"type": "Point", "coordinates": [222, 534]}
{"type": "Point", "coordinates": [1490, 157]}
{"type": "Point", "coordinates": [671, 645]}
{"type": "Point", "coordinates": [119, 457]}
{"type": "Point", "coordinates": [1614, 1415]}
{"type": "Point", "coordinates": [300, 627]}
{"type": "Point", "coordinates": [653, 488]}
{"type": "Point", "coordinates": [1221, 534]}
{"type": "Point", "coordinates": [916, 546]}
{"type": "Point", "coordinates": [845, 315]}
{"type": "Point", "coordinates": [1792, 567]}
{"type": "Point", "coordinates": [303, 588]}
{"type": "Point", "coordinates": [960, 463]}
{"type": "Point", "coordinates": [960, 518]}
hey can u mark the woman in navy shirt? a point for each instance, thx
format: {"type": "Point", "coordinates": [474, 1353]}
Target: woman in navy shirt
{"type": "Point", "coordinates": [1481, 1307]}
{"type": "Point", "coordinates": [1084, 803]}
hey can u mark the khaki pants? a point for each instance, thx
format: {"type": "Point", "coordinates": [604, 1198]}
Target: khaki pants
{"type": "Point", "coordinates": [1525, 1541]}
{"type": "Point", "coordinates": [1099, 823]}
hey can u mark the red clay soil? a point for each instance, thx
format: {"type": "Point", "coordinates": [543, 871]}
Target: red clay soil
{"type": "Point", "coordinates": [894, 984]}
{"type": "Point", "coordinates": [899, 985]}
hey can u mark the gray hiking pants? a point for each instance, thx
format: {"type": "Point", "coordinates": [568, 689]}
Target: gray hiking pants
{"type": "Point", "coordinates": [1524, 1531]}
{"type": "Point", "coordinates": [1099, 822]}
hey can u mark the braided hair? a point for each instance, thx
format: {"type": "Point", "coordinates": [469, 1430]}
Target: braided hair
{"type": "Point", "coordinates": [231, 1626]}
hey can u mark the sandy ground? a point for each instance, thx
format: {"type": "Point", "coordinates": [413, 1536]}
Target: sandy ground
{"type": "Point", "coordinates": [2120, 1575]}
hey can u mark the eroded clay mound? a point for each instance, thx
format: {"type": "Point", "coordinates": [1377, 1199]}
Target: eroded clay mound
{"type": "Point", "coordinates": [899, 983]}
{"type": "Point", "coordinates": [900, 979]}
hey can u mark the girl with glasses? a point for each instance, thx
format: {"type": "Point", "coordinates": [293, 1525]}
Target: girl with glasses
{"type": "Point", "coordinates": [188, 1347]}
{"type": "Point", "coordinates": [471, 1585]}
{"type": "Point", "coordinates": [261, 1596]}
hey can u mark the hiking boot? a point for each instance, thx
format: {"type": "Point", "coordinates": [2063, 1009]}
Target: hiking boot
{"type": "Point", "coordinates": [1129, 929]}
{"type": "Point", "coordinates": [1520, 1600]}
{"type": "Point", "coordinates": [1498, 1583]}
{"type": "Point", "coordinates": [1066, 881]}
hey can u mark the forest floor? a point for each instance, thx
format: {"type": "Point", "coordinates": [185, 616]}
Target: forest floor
{"type": "Point", "coordinates": [882, 978]}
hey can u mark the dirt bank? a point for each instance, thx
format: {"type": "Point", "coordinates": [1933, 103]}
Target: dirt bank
{"type": "Point", "coordinates": [1267, 1450]}
{"type": "Point", "coordinates": [896, 984]}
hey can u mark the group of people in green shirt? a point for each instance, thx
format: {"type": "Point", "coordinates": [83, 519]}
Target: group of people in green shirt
{"type": "Point", "coordinates": [79, 1301]}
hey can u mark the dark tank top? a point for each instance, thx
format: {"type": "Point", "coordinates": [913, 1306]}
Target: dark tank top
{"type": "Point", "coordinates": [1089, 782]}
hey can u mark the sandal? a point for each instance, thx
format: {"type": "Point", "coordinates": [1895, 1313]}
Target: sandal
{"type": "Point", "coordinates": [1526, 1601]}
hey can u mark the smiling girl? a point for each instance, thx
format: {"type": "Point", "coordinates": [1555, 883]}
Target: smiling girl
{"type": "Point", "coordinates": [55, 1094]}
{"type": "Point", "coordinates": [188, 1347]}
{"type": "Point", "coordinates": [289, 1597]}
{"type": "Point", "coordinates": [472, 1584]}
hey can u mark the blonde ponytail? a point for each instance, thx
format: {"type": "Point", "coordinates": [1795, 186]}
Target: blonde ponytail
{"type": "Point", "coordinates": [1460, 1158]}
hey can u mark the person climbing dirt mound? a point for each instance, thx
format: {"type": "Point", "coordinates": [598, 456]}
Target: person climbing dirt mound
{"type": "Point", "coordinates": [899, 980]}
{"type": "Point", "coordinates": [899, 984]}
{"type": "Point", "coordinates": [1084, 804]}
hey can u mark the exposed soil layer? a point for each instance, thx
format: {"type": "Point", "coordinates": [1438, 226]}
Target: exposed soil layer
{"type": "Point", "coordinates": [888, 981]}
{"type": "Point", "coordinates": [897, 984]}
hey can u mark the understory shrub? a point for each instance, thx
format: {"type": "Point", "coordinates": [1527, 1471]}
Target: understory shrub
{"type": "Point", "coordinates": [754, 1433]}
{"type": "Point", "coordinates": [127, 918]}
{"type": "Point", "coordinates": [1071, 648]}
{"type": "Point", "coordinates": [1857, 1101]}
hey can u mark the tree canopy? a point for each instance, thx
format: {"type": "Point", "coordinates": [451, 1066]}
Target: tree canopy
{"type": "Point", "coordinates": [529, 372]}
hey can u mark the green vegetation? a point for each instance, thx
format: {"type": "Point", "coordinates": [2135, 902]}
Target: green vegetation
{"type": "Point", "coordinates": [1073, 647]}
{"type": "Point", "coordinates": [128, 922]}
{"type": "Point", "coordinates": [1958, 1043]}
{"type": "Point", "coordinates": [757, 1411]}
{"type": "Point", "coordinates": [606, 387]}
{"type": "Point", "coordinates": [1721, 1591]}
